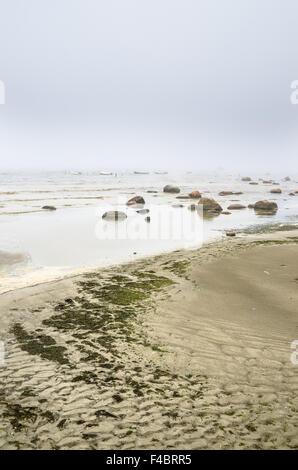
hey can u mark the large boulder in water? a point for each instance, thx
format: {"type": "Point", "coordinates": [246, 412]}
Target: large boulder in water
{"type": "Point", "coordinates": [169, 188]}
{"type": "Point", "coordinates": [246, 178]}
{"type": "Point", "coordinates": [136, 200]}
{"type": "Point", "coordinates": [114, 215]}
{"type": "Point", "coordinates": [266, 206]}
{"type": "Point", "coordinates": [209, 205]}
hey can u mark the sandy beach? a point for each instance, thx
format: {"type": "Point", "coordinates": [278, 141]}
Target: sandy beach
{"type": "Point", "coordinates": [149, 228]}
{"type": "Point", "coordinates": [188, 350]}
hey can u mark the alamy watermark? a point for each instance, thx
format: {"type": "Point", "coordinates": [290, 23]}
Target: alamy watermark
{"type": "Point", "coordinates": [2, 92]}
{"type": "Point", "coordinates": [294, 94]}
{"type": "Point", "coordinates": [294, 355]}
{"type": "Point", "coordinates": [2, 353]}
{"type": "Point", "coordinates": [155, 223]}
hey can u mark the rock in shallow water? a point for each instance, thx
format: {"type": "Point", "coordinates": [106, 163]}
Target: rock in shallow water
{"type": "Point", "coordinates": [209, 205]}
{"type": "Point", "coordinates": [276, 191]}
{"type": "Point", "coordinates": [169, 188]}
{"type": "Point", "coordinates": [234, 207]}
{"type": "Point", "coordinates": [226, 193]}
{"type": "Point", "coordinates": [114, 215]}
{"type": "Point", "coordinates": [265, 206]}
{"type": "Point", "coordinates": [136, 200]}
{"type": "Point", "coordinates": [49, 208]}
{"type": "Point", "coordinates": [195, 195]}
{"type": "Point", "coordinates": [143, 211]}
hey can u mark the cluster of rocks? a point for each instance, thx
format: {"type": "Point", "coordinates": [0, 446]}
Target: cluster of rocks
{"type": "Point", "coordinates": [269, 182]}
{"type": "Point", "coordinates": [209, 205]}
{"type": "Point", "coordinates": [136, 201]}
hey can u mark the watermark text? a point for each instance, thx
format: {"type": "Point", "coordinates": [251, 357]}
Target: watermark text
{"type": "Point", "coordinates": [2, 353]}
{"type": "Point", "coordinates": [294, 94]}
{"type": "Point", "coordinates": [294, 355]}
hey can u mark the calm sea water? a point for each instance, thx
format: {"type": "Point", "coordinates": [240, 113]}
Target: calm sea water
{"type": "Point", "coordinates": [75, 238]}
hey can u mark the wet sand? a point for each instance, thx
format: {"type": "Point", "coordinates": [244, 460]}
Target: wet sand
{"type": "Point", "coordinates": [189, 350]}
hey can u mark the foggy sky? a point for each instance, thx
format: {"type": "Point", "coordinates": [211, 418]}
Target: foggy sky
{"type": "Point", "coordinates": [187, 84]}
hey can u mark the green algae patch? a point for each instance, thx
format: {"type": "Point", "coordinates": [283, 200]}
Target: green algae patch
{"type": "Point", "coordinates": [106, 310]}
{"type": "Point", "coordinates": [117, 397]}
{"type": "Point", "coordinates": [92, 318]}
{"type": "Point", "coordinates": [61, 423]}
{"type": "Point", "coordinates": [39, 345]}
{"type": "Point", "coordinates": [120, 295]}
{"type": "Point", "coordinates": [21, 416]}
{"type": "Point", "coordinates": [126, 291]}
{"type": "Point", "coordinates": [98, 321]}
{"type": "Point", "coordinates": [28, 393]}
{"type": "Point", "coordinates": [86, 376]}
{"type": "Point", "coordinates": [179, 268]}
